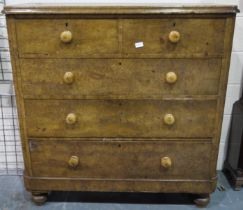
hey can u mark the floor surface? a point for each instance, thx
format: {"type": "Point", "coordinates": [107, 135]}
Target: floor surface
{"type": "Point", "coordinates": [14, 197]}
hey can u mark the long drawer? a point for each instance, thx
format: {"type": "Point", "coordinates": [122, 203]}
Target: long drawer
{"type": "Point", "coordinates": [118, 78]}
{"type": "Point", "coordinates": [121, 159]}
{"type": "Point", "coordinates": [120, 118]}
{"type": "Point", "coordinates": [201, 37]}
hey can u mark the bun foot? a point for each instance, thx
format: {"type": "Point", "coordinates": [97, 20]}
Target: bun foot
{"type": "Point", "coordinates": [39, 198]}
{"type": "Point", "coordinates": [202, 200]}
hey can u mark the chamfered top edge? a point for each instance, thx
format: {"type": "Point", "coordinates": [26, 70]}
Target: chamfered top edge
{"type": "Point", "coordinates": [111, 8]}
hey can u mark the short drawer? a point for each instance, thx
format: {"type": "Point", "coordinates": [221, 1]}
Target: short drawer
{"type": "Point", "coordinates": [121, 159]}
{"type": "Point", "coordinates": [189, 37]}
{"type": "Point", "coordinates": [89, 37]}
{"type": "Point", "coordinates": [118, 78]}
{"type": "Point", "coordinates": [120, 118]}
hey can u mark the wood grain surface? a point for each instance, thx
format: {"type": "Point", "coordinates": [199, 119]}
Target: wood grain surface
{"type": "Point", "coordinates": [121, 159]}
{"type": "Point", "coordinates": [116, 38]}
{"type": "Point", "coordinates": [120, 118]}
{"type": "Point", "coordinates": [119, 78]}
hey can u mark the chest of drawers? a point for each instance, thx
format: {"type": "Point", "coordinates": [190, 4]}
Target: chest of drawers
{"type": "Point", "coordinates": [120, 99]}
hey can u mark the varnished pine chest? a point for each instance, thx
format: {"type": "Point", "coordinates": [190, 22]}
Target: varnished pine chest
{"type": "Point", "coordinates": [120, 99]}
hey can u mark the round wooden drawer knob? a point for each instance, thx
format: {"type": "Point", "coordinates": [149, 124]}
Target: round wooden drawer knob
{"type": "Point", "coordinates": [73, 162]}
{"type": "Point", "coordinates": [68, 77]}
{"type": "Point", "coordinates": [171, 77]}
{"type": "Point", "coordinates": [169, 119]}
{"type": "Point", "coordinates": [166, 162]}
{"type": "Point", "coordinates": [174, 36]}
{"type": "Point", "coordinates": [66, 36]}
{"type": "Point", "coordinates": [71, 119]}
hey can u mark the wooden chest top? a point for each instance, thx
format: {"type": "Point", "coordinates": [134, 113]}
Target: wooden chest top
{"type": "Point", "coordinates": [109, 8]}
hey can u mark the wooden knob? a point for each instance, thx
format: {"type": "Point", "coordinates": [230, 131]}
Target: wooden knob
{"type": "Point", "coordinates": [166, 162]}
{"type": "Point", "coordinates": [73, 162]}
{"type": "Point", "coordinates": [174, 36]}
{"type": "Point", "coordinates": [66, 36]}
{"type": "Point", "coordinates": [71, 119]}
{"type": "Point", "coordinates": [68, 77]}
{"type": "Point", "coordinates": [171, 77]}
{"type": "Point", "coordinates": [169, 119]}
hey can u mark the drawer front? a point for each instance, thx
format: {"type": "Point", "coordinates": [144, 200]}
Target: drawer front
{"type": "Point", "coordinates": [120, 118]}
{"type": "Point", "coordinates": [118, 78]}
{"type": "Point", "coordinates": [197, 37]}
{"type": "Point", "coordinates": [42, 37]}
{"type": "Point", "coordinates": [121, 159]}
